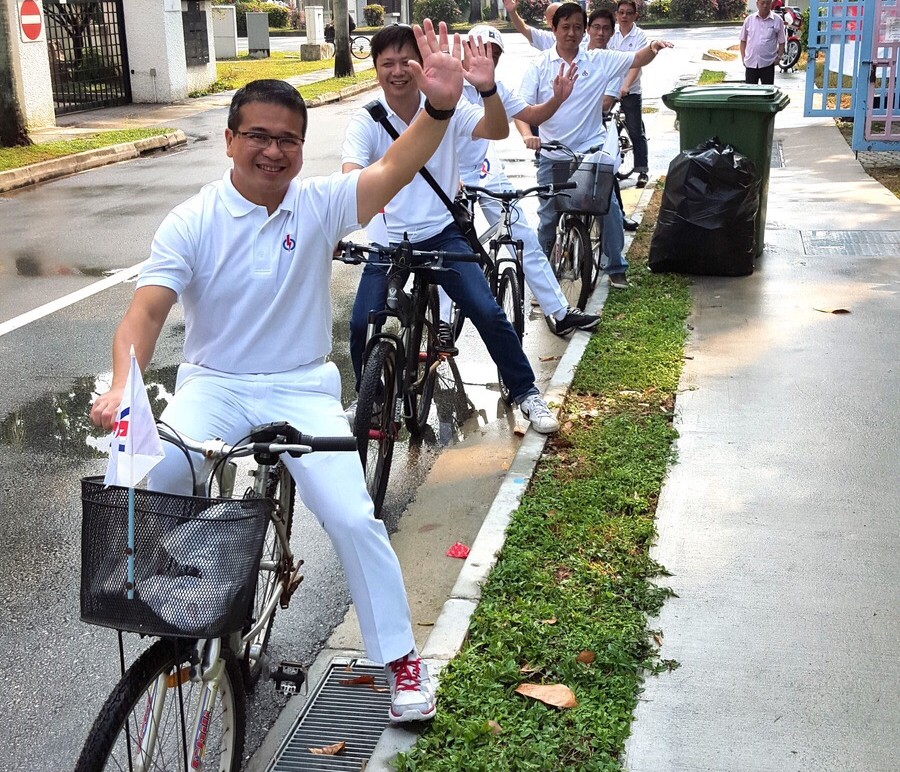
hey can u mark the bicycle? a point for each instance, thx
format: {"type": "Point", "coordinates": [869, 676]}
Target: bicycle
{"type": "Point", "coordinates": [399, 367]}
{"type": "Point", "coordinates": [182, 703]}
{"type": "Point", "coordinates": [361, 47]}
{"type": "Point", "coordinates": [616, 117]}
{"type": "Point", "coordinates": [573, 259]}
{"type": "Point", "coordinates": [504, 266]}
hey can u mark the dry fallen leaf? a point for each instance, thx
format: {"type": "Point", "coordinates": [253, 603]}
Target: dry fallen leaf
{"type": "Point", "coordinates": [557, 695]}
{"type": "Point", "coordinates": [527, 669]}
{"type": "Point", "coordinates": [329, 750]}
{"type": "Point", "coordinates": [657, 637]}
{"type": "Point", "coordinates": [363, 680]}
{"type": "Point", "coordinates": [548, 359]}
{"type": "Point", "coordinates": [519, 431]}
{"type": "Point", "coordinates": [586, 657]}
{"type": "Point", "coordinates": [833, 310]}
{"type": "Point", "coordinates": [494, 727]}
{"type": "Point", "coordinates": [551, 621]}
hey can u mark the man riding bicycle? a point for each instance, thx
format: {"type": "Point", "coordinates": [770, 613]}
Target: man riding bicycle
{"type": "Point", "coordinates": [250, 258]}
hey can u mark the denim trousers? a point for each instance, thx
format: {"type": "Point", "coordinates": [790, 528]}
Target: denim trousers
{"type": "Point", "coordinates": [466, 285]}
{"type": "Point", "coordinates": [632, 106]}
{"type": "Point", "coordinates": [613, 240]}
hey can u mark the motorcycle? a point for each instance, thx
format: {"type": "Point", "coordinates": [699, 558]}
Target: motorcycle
{"type": "Point", "coordinates": [793, 23]}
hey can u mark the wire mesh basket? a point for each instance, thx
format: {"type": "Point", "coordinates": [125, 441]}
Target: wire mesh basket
{"type": "Point", "coordinates": [594, 186]}
{"type": "Point", "coordinates": [195, 561]}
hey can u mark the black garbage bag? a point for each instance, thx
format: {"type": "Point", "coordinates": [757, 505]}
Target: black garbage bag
{"type": "Point", "coordinates": [707, 219]}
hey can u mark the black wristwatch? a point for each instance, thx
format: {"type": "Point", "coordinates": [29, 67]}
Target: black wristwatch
{"type": "Point", "coordinates": [489, 93]}
{"type": "Point", "coordinates": [439, 115]}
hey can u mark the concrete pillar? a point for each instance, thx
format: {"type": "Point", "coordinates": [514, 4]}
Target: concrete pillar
{"type": "Point", "coordinates": [31, 65]}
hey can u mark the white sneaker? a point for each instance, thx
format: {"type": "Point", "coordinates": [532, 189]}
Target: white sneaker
{"type": "Point", "coordinates": [350, 414]}
{"type": "Point", "coordinates": [535, 410]}
{"type": "Point", "coordinates": [412, 694]}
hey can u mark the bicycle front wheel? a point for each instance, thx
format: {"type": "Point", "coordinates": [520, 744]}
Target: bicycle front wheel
{"type": "Point", "coordinates": [626, 153]}
{"type": "Point", "coordinates": [361, 47]}
{"type": "Point", "coordinates": [509, 298]}
{"type": "Point", "coordinates": [376, 430]}
{"type": "Point", "coordinates": [421, 362]}
{"type": "Point", "coordinates": [146, 722]}
{"type": "Point", "coordinates": [572, 262]}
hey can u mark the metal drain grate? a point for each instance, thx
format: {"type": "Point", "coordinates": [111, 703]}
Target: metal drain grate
{"type": "Point", "coordinates": [356, 715]}
{"type": "Point", "coordinates": [777, 154]}
{"type": "Point", "coordinates": [856, 243]}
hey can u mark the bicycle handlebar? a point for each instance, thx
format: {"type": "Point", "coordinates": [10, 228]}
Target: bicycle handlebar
{"type": "Point", "coordinates": [401, 254]}
{"type": "Point", "coordinates": [274, 439]}
{"type": "Point", "coordinates": [565, 149]}
{"type": "Point", "coordinates": [471, 191]}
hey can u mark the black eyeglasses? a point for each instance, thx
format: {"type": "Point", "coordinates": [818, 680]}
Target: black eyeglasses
{"type": "Point", "coordinates": [260, 141]}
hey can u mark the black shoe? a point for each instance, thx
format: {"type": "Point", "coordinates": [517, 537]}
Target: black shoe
{"type": "Point", "coordinates": [642, 180]}
{"type": "Point", "coordinates": [575, 320]}
{"type": "Point", "coordinates": [618, 281]}
{"type": "Point", "coordinates": [629, 225]}
{"type": "Point", "coordinates": [445, 344]}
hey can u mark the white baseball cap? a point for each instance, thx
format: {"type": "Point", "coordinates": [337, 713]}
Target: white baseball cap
{"type": "Point", "coordinates": [488, 34]}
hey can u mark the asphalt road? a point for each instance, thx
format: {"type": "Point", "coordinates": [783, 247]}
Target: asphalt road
{"type": "Point", "coordinates": [60, 237]}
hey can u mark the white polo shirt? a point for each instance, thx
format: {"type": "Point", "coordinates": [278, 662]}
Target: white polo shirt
{"type": "Point", "coordinates": [635, 40]}
{"type": "Point", "coordinates": [256, 288]}
{"type": "Point", "coordinates": [578, 123]}
{"type": "Point", "coordinates": [479, 161]}
{"type": "Point", "coordinates": [416, 210]}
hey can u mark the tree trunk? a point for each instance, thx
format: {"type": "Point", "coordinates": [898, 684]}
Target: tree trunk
{"type": "Point", "coordinates": [12, 122]}
{"type": "Point", "coordinates": [343, 62]}
{"type": "Point", "coordinates": [475, 12]}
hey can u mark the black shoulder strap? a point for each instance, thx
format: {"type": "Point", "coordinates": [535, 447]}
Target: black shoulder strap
{"type": "Point", "coordinates": [379, 115]}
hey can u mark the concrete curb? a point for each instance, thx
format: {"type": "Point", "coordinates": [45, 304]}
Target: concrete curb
{"type": "Point", "coordinates": [344, 93]}
{"type": "Point", "coordinates": [89, 159]}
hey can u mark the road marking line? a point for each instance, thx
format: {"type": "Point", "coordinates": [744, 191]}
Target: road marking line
{"type": "Point", "coordinates": [67, 300]}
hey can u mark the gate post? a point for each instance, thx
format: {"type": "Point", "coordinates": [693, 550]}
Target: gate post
{"type": "Point", "coordinates": [30, 63]}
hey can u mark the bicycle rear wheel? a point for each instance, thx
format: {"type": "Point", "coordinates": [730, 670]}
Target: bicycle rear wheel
{"type": "Point", "coordinates": [509, 298]}
{"type": "Point", "coordinates": [360, 47]}
{"type": "Point", "coordinates": [421, 360]}
{"type": "Point", "coordinates": [376, 430]}
{"type": "Point", "coordinates": [572, 262]}
{"type": "Point", "coordinates": [280, 488]}
{"type": "Point", "coordinates": [626, 152]}
{"type": "Point", "coordinates": [129, 735]}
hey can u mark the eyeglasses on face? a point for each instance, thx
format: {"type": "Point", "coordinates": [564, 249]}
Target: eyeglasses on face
{"type": "Point", "coordinates": [601, 28]}
{"type": "Point", "coordinates": [260, 141]}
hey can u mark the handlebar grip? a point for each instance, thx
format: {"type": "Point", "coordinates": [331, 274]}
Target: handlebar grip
{"type": "Point", "coordinates": [565, 186]}
{"type": "Point", "coordinates": [329, 443]}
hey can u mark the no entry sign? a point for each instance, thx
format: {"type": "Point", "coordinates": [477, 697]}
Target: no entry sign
{"type": "Point", "coordinates": [31, 23]}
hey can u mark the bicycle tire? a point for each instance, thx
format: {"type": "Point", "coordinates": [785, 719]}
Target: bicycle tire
{"type": "Point", "coordinates": [791, 55]}
{"type": "Point", "coordinates": [571, 262]}
{"type": "Point", "coordinates": [626, 151]}
{"type": "Point", "coordinates": [376, 430]}
{"type": "Point", "coordinates": [361, 47]}
{"type": "Point", "coordinates": [509, 298]}
{"type": "Point", "coordinates": [282, 490]}
{"type": "Point", "coordinates": [421, 356]}
{"type": "Point", "coordinates": [124, 715]}
{"type": "Point", "coordinates": [596, 236]}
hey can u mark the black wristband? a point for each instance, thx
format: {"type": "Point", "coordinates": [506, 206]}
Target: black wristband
{"type": "Point", "coordinates": [489, 93]}
{"type": "Point", "coordinates": [439, 115]}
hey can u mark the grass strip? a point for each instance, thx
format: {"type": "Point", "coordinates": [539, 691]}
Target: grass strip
{"type": "Point", "coordinates": [710, 77]}
{"type": "Point", "coordinates": [333, 85]}
{"type": "Point", "coordinates": [568, 599]}
{"type": "Point", "coordinates": [16, 157]}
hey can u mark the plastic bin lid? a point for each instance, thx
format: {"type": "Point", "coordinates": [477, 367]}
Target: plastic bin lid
{"type": "Point", "coordinates": [761, 99]}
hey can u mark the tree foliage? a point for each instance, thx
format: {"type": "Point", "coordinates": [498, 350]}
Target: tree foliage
{"type": "Point", "coordinates": [436, 10]}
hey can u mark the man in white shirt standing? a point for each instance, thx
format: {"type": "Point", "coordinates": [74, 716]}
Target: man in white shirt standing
{"type": "Point", "coordinates": [578, 123]}
{"type": "Point", "coordinates": [541, 39]}
{"type": "Point", "coordinates": [250, 258]}
{"type": "Point", "coordinates": [629, 37]}
{"type": "Point", "coordinates": [762, 44]}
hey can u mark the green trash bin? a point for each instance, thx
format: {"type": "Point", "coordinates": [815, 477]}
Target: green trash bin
{"type": "Point", "coordinates": [742, 116]}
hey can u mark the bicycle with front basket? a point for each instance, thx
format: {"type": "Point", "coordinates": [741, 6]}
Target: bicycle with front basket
{"type": "Point", "coordinates": [615, 118]}
{"type": "Point", "coordinates": [399, 365]}
{"type": "Point", "coordinates": [208, 575]}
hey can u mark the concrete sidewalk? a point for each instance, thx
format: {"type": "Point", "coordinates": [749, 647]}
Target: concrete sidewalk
{"type": "Point", "coordinates": [779, 520]}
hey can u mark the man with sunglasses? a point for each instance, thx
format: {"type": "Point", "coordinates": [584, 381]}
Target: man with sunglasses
{"type": "Point", "coordinates": [250, 259]}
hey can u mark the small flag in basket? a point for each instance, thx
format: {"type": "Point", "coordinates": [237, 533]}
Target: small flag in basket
{"type": "Point", "coordinates": [135, 447]}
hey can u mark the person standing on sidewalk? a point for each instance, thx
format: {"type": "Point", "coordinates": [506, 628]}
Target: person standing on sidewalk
{"type": "Point", "coordinates": [417, 213]}
{"type": "Point", "coordinates": [630, 37]}
{"type": "Point", "coordinates": [578, 123]}
{"type": "Point", "coordinates": [762, 44]}
{"type": "Point", "coordinates": [250, 259]}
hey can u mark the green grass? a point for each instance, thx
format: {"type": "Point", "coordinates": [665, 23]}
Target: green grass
{"type": "Point", "coordinates": [16, 157]}
{"type": "Point", "coordinates": [330, 85]}
{"type": "Point", "coordinates": [574, 574]}
{"type": "Point", "coordinates": [709, 77]}
{"type": "Point", "coordinates": [234, 73]}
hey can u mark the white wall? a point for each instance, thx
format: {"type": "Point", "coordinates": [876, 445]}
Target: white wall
{"type": "Point", "coordinates": [31, 72]}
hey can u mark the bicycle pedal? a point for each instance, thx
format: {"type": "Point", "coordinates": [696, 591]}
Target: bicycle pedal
{"type": "Point", "coordinates": [289, 677]}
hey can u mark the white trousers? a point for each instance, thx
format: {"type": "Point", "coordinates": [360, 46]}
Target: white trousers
{"type": "Point", "coordinates": [211, 404]}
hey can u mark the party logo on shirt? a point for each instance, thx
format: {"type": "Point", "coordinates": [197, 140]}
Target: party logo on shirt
{"type": "Point", "coordinates": [485, 168]}
{"type": "Point", "coordinates": [288, 243]}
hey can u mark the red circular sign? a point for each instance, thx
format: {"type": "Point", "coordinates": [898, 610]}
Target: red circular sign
{"type": "Point", "coordinates": [30, 19]}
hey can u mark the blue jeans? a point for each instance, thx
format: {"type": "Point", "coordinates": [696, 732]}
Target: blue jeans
{"type": "Point", "coordinates": [632, 106]}
{"type": "Point", "coordinates": [613, 240]}
{"type": "Point", "coordinates": [466, 285]}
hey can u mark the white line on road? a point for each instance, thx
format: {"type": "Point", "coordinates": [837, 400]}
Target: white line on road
{"type": "Point", "coordinates": [67, 300]}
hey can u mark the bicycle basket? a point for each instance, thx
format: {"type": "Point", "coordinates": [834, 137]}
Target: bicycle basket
{"type": "Point", "coordinates": [195, 561]}
{"type": "Point", "coordinates": [594, 187]}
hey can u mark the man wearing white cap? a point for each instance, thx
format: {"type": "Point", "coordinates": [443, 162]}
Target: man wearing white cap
{"type": "Point", "coordinates": [479, 164]}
